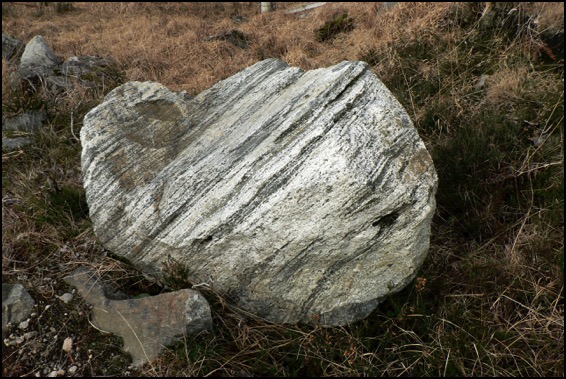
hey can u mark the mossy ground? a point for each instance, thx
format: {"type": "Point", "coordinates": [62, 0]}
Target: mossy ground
{"type": "Point", "coordinates": [486, 94]}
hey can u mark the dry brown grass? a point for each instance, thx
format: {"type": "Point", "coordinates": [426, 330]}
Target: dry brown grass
{"type": "Point", "coordinates": [489, 298]}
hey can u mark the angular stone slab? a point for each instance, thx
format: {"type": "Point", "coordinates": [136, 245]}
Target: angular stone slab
{"type": "Point", "coordinates": [15, 142]}
{"type": "Point", "coordinates": [147, 324]}
{"type": "Point", "coordinates": [304, 196]}
{"type": "Point", "coordinates": [30, 121]}
{"type": "Point", "coordinates": [17, 304]}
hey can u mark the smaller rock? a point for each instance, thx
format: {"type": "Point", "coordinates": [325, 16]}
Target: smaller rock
{"type": "Point", "coordinates": [68, 345]}
{"type": "Point", "coordinates": [66, 298]}
{"type": "Point", "coordinates": [24, 324]}
{"type": "Point", "coordinates": [234, 36]}
{"type": "Point", "coordinates": [38, 59]}
{"type": "Point", "coordinates": [14, 340]}
{"type": "Point", "coordinates": [25, 122]}
{"type": "Point", "coordinates": [15, 143]}
{"type": "Point", "coordinates": [85, 65]}
{"type": "Point", "coordinates": [12, 48]}
{"type": "Point", "coordinates": [17, 305]}
{"type": "Point", "coordinates": [41, 69]}
{"type": "Point", "coordinates": [238, 19]}
{"type": "Point", "coordinates": [56, 373]}
{"type": "Point", "coordinates": [89, 71]}
{"type": "Point", "coordinates": [147, 324]}
{"type": "Point", "coordinates": [29, 335]}
{"type": "Point", "coordinates": [481, 82]}
{"type": "Point", "coordinates": [73, 369]}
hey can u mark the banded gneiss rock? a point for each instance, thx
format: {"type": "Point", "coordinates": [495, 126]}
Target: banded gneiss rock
{"type": "Point", "coordinates": [305, 196]}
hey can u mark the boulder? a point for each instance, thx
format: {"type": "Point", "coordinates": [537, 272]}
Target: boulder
{"type": "Point", "coordinates": [147, 324]}
{"type": "Point", "coordinates": [38, 59]}
{"type": "Point", "coordinates": [302, 196]}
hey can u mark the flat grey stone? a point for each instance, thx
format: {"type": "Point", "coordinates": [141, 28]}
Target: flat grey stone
{"type": "Point", "coordinates": [17, 305]}
{"type": "Point", "coordinates": [15, 142]}
{"type": "Point", "coordinates": [148, 324]}
{"type": "Point", "coordinates": [66, 298]}
{"type": "Point", "coordinates": [26, 122]}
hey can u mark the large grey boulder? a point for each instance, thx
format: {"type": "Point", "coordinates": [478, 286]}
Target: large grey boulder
{"type": "Point", "coordinates": [304, 196]}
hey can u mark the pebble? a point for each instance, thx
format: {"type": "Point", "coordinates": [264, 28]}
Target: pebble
{"type": "Point", "coordinates": [68, 345]}
{"type": "Point", "coordinates": [14, 341]}
{"type": "Point", "coordinates": [72, 369]}
{"type": "Point", "coordinates": [24, 324]}
{"type": "Point", "coordinates": [66, 298]}
{"type": "Point", "coordinates": [54, 373]}
{"type": "Point", "coordinates": [29, 335]}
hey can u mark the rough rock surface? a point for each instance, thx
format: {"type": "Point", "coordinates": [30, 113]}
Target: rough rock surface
{"type": "Point", "coordinates": [40, 70]}
{"type": "Point", "coordinates": [26, 122]}
{"type": "Point", "coordinates": [40, 67]}
{"type": "Point", "coordinates": [38, 58]}
{"type": "Point", "coordinates": [305, 196]}
{"type": "Point", "coordinates": [12, 48]}
{"type": "Point", "coordinates": [13, 143]}
{"type": "Point", "coordinates": [146, 324]}
{"type": "Point", "coordinates": [17, 304]}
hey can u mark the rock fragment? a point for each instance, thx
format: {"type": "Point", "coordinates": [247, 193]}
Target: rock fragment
{"type": "Point", "coordinates": [147, 324]}
{"type": "Point", "coordinates": [17, 305]}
